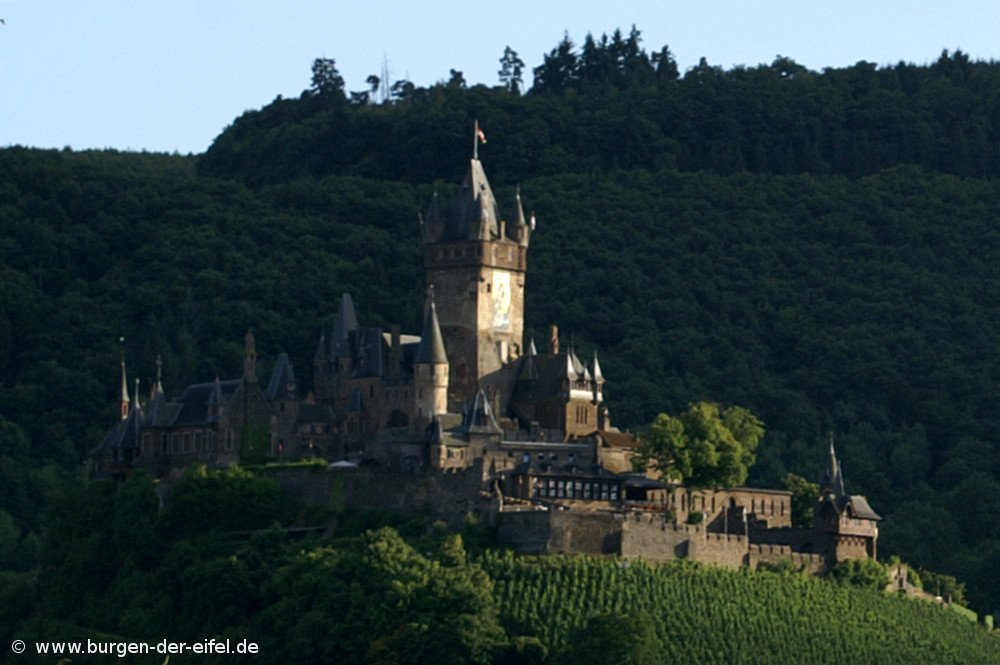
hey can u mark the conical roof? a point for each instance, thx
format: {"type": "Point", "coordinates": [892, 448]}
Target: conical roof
{"type": "Point", "coordinates": [479, 418]}
{"type": "Point", "coordinates": [346, 323]}
{"type": "Point", "coordinates": [321, 356]}
{"type": "Point", "coordinates": [475, 214]}
{"type": "Point", "coordinates": [431, 349]}
{"type": "Point", "coordinates": [838, 483]}
{"type": "Point", "coordinates": [518, 209]}
{"type": "Point", "coordinates": [124, 396]}
{"type": "Point", "coordinates": [832, 467]}
{"type": "Point", "coordinates": [596, 372]}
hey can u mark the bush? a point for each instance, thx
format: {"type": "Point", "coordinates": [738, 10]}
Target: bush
{"type": "Point", "coordinates": [861, 573]}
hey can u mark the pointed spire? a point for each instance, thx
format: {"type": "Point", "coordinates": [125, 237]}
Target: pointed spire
{"type": "Point", "coordinates": [571, 368]}
{"type": "Point", "coordinates": [838, 483]}
{"type": "Point", "coordinates": [832, 468]}
{"type": "Point", "coordinates": [320, 358]}
{"type": "Point", "coordinates": [282, 382]}
{"type": "Point", "coordinates": [157, 400]}
{"type": "Point", "coordinates": [529, 370]}
{"type": "Point", "coordinates": [598, 385]}
{"type": "Point", "coordinates": [431, 350]}
{"type": "Point", "coordinates": [158, 388]}
{"type": "Point", "coordinates": [578, 367]}
{"type": "Point", "coordinates": [475, 214]}
{"type": "Point", "coordinates": [124, 401]}
{"type": "Point", "coordinates": [596, 372]}
{"type": "Point", "coordinates": [479, 419]}
{"type": "Point", "coordinates": [519, 231]}
{"type": "Point", "coordinates": [346, 323]}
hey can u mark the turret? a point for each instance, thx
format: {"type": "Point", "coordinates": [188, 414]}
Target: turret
{"type": "Point", "coordinates": [831, 471]}
{"type": "Point", "coordinates": [598, 379]}
{"type": "Point", "coordinates": [431, 225]}
{"type": "Point", "coordinates": [430, 367]}
{"type": "Point", "coordinates": [123, 400]}
{"type": "Point", "coordinates": [346, 323]}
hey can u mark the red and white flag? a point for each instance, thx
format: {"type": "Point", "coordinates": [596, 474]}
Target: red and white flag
{"type": "Point", "coordinates": [480, 134]}
{"type": "Point", "coordinates": [532, 220]}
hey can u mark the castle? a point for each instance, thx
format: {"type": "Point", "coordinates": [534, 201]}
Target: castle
{"type": "Point", "coordinates": [468, 417]}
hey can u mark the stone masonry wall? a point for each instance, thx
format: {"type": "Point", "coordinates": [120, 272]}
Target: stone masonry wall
{"type": "Point", "coordinates": [448, 496]}
{"type": "Point", "coordinates": [561, 531]}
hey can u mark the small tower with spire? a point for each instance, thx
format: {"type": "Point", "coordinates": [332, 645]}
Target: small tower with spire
{"type": "Point", "coordinates": [430, 368]}
{"type": "Point", "coordinates": [123, 400]}
{"type": "Point", "coordinates": [598, 380]}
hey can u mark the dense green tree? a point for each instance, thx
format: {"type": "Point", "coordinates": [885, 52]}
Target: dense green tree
{"type": "Point", "coordinates": [703, 446]}
{"type": "Point", "coordinates": [326, 78]}
{"type": "Point", "coordinates": [629, 639]}
{"type": "Point", "coordinates": [511, 71]}
{"type": "Point", "coordinates": [804, 496]}
{"type": "Point", "coordinates": [862, 573]}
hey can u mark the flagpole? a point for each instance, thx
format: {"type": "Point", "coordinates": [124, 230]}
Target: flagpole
{"type": "Point", "coordinates": [475, 141]}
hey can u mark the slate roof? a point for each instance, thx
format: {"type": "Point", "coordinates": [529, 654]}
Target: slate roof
{"type": "Point", "coordinates": [316, 413]}
{"type": "Point", "coordinates": [282, 383]}
{"type": "Point", "coordinates": [124, 434]}
{"type": "Point", "coordinates": [541, 376]}
{"type": "Point", "coordinates": [343, 326]}
{"type": "Point", "coordinates": [196, 399]}
{"type": "Point", "coordinates": [160, 412]}
{"type": "Point", "coordinates": [854, 505]}
{"type": "Point", "coordinates": [431, 348]}
{"type": "Point", "coordinates": [618, 439]}
{"type": "Point", "coordinates": [478, 417]}
{"type": "Point", "coordinates": [367, 346]}
{"type": "Point", "coordinates": [475, 214]}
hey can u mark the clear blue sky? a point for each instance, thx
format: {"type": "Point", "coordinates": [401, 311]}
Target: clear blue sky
{"type": "Point", "coordinates": [169, 75]}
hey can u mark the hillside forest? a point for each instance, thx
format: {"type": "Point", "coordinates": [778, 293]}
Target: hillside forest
{"type": "Point", "coordinates": [818, 247]}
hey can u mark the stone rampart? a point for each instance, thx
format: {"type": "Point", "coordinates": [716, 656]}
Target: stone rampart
{"type": "Point", "coordinates": [561, 531]}
{"type": "Point", "coordinates": [651, 537]}
{"type": "Point", "coordinates": [774, 554]}
{"type": "Point", "coordinates": [448, 496]}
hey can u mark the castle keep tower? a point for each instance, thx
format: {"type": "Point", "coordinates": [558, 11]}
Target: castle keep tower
{"type": "Point", "coordinates": [475, 261]}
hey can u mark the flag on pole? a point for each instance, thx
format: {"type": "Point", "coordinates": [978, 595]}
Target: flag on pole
{"type": "Point", "coordinates": [532, 220]}
{"type": "Point", "coordinates": [480, 134]}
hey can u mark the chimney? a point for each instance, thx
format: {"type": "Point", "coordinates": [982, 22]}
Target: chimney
{"type": "Point", "coordinates": [553, 340]}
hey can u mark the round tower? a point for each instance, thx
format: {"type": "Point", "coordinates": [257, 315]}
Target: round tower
{"type": "Point", "coordinates": [430, 369]}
